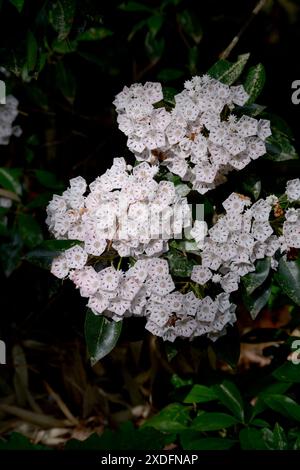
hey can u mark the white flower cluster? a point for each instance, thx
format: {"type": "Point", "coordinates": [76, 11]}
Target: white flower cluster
{"type": "Point", "coordinates": [291, 225]}
{"type": "Point", "coordinates": [146, 289]}
{"type": "Point", "coordinates": [199, 139]}
{"type": "Point", "coordinates": [126, 207]}
{"type": "Point", "coordinates": [129, 210]}
{"type": "Point", "coordinates": [233, 244]}
{"type": "Point", "coordinates": [8, 113]}
{"type": "Point", "coordinates": [242, 236]}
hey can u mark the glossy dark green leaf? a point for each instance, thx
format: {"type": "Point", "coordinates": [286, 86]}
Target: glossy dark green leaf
{"type": "Point", "coordinates": [191, 25]}
{"type": "Point", "coordinates": [32, 51]}
{"type": "Point", "coordinates": [256, 302]}
{"type": "Point", "coordinates": [172, 418]}
{"type": "Point", "coordinates": [65, 46]}
{"type": "Point", "coordinates": [288, 372]}
{"type": "Point", "coordinates": [126, 437]}
{"type": "Point", "coordinates": [44, 254]}
{"type": "Point", "coordinates": [193, 60]}
{"type": "Point", "coordinates": [94, 34]}
{"type": "Point", "coordinates": [251, 439]}
{"type": "Point", "coordinates": [280, 147]}
{"type": "Point", "coordinates": [135, 6]}
{"type": "Point", "coordinates": [48, 179]}
{"type": "Point", "coordinates": [200, 394]}
{"type": "Point", "coordinates": [17, 441]}
{"type": "Point", "coordinates": [228, 72]}
{"type": "Point", "coordinates": [276, 439]}
{"type": "Point", "coordinates": [10, 254]}
{"type": "Point", "coordinates": [180, 265]}
{"type": "Point", "coordinates": [154, 46]}
{"type": "Point", "coordinates": [10, 179]}
{"type": "Point", "coordinates": [230, 397]}
{"type": "Point", "coordinates": [155, 23]}
{"type": "Point", "coordinates": [19, 4]}
{"type": "Point", "coordinates": [191, 440]}
{"type": "Point", "coordinates": [167, 75]}
{"type": "Point", "coordinates": [254, 82]}
{"type": "Point", "coordinates": [179, 382]}
{"type": "Point", "coordinates": [288, 278]}
{"type": "Point", "coordinates": [169, 94]}
{"type": "Point", "coordinates": [101, 335]}
{"type": "Point", "coordinates": [283, 405]}
{"type": "Point", "coordinates": [255, 279]}
{"type": "Point", "coordinates": [61, 16]}
{"type": "Point", "coordinates": [252, 185]}
{"type": "Point", "coordinates": [213, 421]}
{"type": "Point", "coordinates": [29, 230]}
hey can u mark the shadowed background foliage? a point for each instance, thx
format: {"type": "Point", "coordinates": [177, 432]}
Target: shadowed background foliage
{"type": "Point", "coordinates": [65, 61]}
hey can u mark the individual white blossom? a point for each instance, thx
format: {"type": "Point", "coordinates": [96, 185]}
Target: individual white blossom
{"type": "Point", "coordinates": [293, 190]}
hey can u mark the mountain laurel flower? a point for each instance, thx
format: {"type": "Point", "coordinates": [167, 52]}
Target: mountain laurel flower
{"type": "Point", "coordinates": [125, 257]}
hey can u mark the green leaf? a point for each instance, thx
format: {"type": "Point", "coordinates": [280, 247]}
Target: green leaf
{"type": "Point", "coordinates": [276, 439]}
{"type": "Point", "coordinates": [283, 405]}
{"type": "Point", "coordinates": [213, 422]}
{"type": "Point", "coordinates": [252, 186]}
{"type": "Point", "coordinates": [126, 437]}
{"type": "Point", "coordinates": [29, 230]}
{"type": "Point", "coordinates": [135, 6]}
{"type": "Point", "coordinates": [229, 396]}
{"type": "Point", "coordinates": [101, 336]}
{"type": "Point", "coordinates": [19, 4]}
{"type": "Point", "coordinates": [10, 254]}
{"type": "Point", "coordinates": [32, 51]}
{"type": "Point", "coordinates": [190, 25]}
{"type": "Point", "coordinates": [255, 279]}
{"type": "Point", "coordinates": [154, 46]}
{"type": "Point", "coordinates": [251, 439]}
{"type": "Point", "coordinates": [167, 75]}
{"type": "Point", "coordinates": [193, 59]}
{"type": "Point", "coordinates": [61, 16]}
{"type": "Point", "coordinates": [191, 440]}
{"type": "Point", "coordinates": [169, 94]}
{"type": "Point", "coordinates": [137, 27]}
{"type": "Point", "coordinates": [180, 265]}
{"type": "Point", "coordinates": [179, 382]}
{"type": "Point", "coordinates": [228, 72]}
{"type": "Point", "coordinates": [9, 179]}
{"type": "Point", "coordinates": [19, 442]}
{"type": "Point", "coordinates": [254, 305]}
{"type": "Point", "coordinates": [288, 278]}
{"type": "Point", "coordinates": [48, 179]}
{"type": "Point", "coordinates": [254, 82]}
{"type": "Point", "coordinates": [155, 23]}
{"type": "Point", "coordinates": [274, 388]}
{"type": "Point", "coordinates": [66, 82]}
{"type": "Point", "coordinates": [94, 34]}
{"type": "Point", "coordinates": [200, 394]}
{"type": "Point", "coordinates": [279, 147]}
{"type": "Point", "coordinates": [261, 423]}
{"type": "Point", "coordinates": [288, 372]}
{"type": "Point", "coordinates": [172, 418]}
{"type": "Point", "coordinates": [44, 254]}
{"type": "Point", "coordinates": [65, 46]}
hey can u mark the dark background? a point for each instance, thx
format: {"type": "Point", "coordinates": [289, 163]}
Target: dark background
{"type": "Point", "coordinates": [69, 129]}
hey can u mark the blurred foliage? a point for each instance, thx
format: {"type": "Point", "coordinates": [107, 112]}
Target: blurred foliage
{"type": "Point", "coordinates": [65, 60]}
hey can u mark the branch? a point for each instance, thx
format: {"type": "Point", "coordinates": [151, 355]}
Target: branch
{"type": "Point", "coordinates": [236, 38]}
